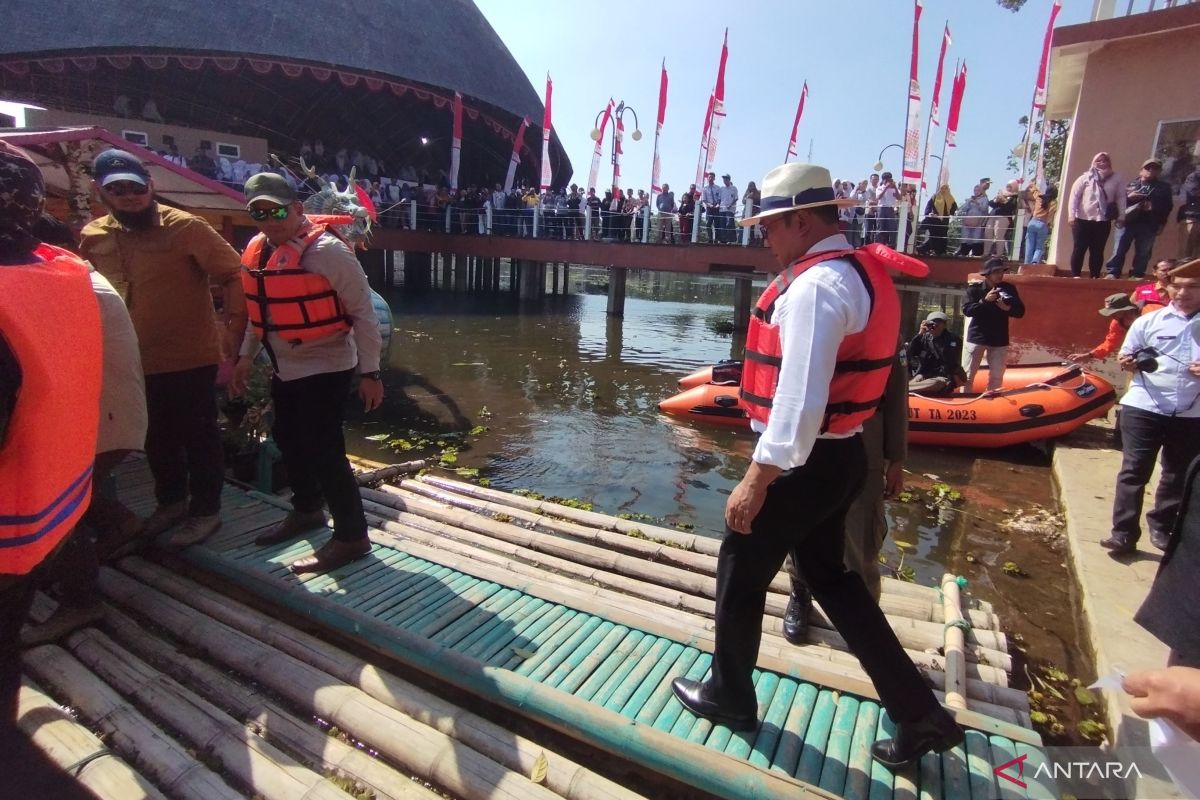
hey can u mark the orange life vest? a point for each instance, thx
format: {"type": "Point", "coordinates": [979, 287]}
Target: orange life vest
{"type": "Point", "coordinates": [283, 298]}
{"type": "Point", "coordinates": [864, 359]}
{"type": "Point", "coordinates": [51, 323]}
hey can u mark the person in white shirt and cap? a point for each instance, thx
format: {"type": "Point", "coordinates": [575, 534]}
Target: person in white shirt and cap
{"type": "Point", "coordinates": [819, 351]}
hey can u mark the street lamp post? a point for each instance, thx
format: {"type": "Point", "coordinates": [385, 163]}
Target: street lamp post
{"type": "Point", "coordinates": [879, 161]}
{"type": "Point", "coordinates": [618, 129]}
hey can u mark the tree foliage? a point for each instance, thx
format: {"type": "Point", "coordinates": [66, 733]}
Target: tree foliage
{"type": "Point", "coordinates": [1056, 148]}
{"type": "Point", "coordinates": [1011, 5]}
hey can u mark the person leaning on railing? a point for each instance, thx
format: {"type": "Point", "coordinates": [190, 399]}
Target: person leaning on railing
{"type": "Point", "coordinates": [687, 213]}
{"type": "Point", "coordinates": [974, 214]}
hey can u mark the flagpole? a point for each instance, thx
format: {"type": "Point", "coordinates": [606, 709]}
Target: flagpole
{"type": "Point", "coordinates": [934, 105]}
{"type": "Point", "coordinates": [946, 138]}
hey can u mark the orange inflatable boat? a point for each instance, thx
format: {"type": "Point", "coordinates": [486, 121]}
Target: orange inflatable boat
{"type": "Point", "coordinates": [1038, 401]}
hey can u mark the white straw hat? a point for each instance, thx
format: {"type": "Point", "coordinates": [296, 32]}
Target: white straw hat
{"type": "Point", "coordinates": [794, 186]}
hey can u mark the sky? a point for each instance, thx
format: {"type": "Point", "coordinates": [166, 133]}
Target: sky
{"type": "Point", "coordinates": [853, 53]}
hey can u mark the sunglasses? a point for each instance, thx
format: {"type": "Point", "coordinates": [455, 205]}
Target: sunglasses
{"type": "Point", "coordinates": [121, 189]}
{"type": "Point", "coordinates": [261, 214]}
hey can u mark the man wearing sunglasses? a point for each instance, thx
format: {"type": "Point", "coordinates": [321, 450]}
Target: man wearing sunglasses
{"type": "Point", "coordinates": [162, 260]}
{"type": "Point", "coordinates": [310, 309]}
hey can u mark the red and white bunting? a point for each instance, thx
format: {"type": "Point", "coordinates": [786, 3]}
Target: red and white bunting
{"type": "Point", "coordinates": [546, 175]}
{"type": "Point", "coordinates": [791, 149]}
{"type": "Point", "coordinates": [912, 128]}
{"type": "Point", "coordinates": [656, 167]}
{"type": "Point", "coordinates": [594, 172]}
{"type": "Point", "coordinates": [456, 142]}
{"type": "Point", "coordinates": [518, 140]}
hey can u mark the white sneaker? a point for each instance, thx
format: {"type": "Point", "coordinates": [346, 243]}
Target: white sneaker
{"type": "Point", "coordinates": [193, 530]}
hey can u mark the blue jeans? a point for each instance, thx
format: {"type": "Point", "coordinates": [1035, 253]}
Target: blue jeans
{"type": "Point", "coordinates": [1036, 234]}
{"type": "Point", "coordinates": [1141, 236]}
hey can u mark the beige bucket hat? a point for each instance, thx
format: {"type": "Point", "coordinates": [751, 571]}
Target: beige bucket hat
{"type": "Point", "coordinates": [791, 187]}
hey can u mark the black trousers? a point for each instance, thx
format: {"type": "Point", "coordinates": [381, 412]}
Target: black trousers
{"type": "Point", "coordinates": [308, 430]}
{"type": "Point", "coordinates": [1090, 237]}
{"type": "Point", "coordinates": [804, 514]}
{"type": "Point", "coordinates": [183, 443]}
{"type": "Point", "coordinates": [1143, 435]}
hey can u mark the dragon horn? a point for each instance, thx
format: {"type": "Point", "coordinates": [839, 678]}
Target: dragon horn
{"type": "Point", "coordinates": [350, 185]}
{"type": "Point", "coordinates": [309, 171]}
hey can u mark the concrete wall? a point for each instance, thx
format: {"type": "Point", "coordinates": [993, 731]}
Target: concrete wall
{"type": "Point", "coordinates": [253, 150]}
{"type": "Point", "coordinates": [1129, 86]}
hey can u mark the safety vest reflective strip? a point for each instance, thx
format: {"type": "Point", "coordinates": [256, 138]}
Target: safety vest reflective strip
{"type": "Point", "coordinates": [47, 455]}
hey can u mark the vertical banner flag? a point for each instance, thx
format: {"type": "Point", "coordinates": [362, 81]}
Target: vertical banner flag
{"type": "Point", "coordinates": [546, 137]}
{"type": "Point", "coordinates": [956, 96]}
{"type": "Point", "coordinates": [518, 140]}
{"type": "Point", "coordinates": [456, 142]}
{"type": "Point", "coordinates": [912, 129]}
{"type": "Point", "coordinates": [791, 150]}
{"type": "Point", "coordinates": [656, 168]}
{"type": "Point", "coordinates": [1039, 98]}
{"type": "Point", "coordinates": [702, 163]}
{"type": "Point", "coordinates": [718, 108]}
{"type": "Point", "coordinates": [594, 172]}
{"type": "Point", "coordinates": [617, 151]}
{"type": "Point", "coordinates": [933, 107]}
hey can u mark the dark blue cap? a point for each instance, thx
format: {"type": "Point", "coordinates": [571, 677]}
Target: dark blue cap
{"type": "Point", "coordinates": [117, 165]}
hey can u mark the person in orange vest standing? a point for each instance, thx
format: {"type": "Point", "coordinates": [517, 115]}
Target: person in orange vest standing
{"type": "Point", "coordinates": [819, 349]}
{"type": "Point", "coordinates": [49, 416]}
{"type": "Point", "coordinates": [161, 260]}
{"type": "Point", "coordinates": [310, 309]}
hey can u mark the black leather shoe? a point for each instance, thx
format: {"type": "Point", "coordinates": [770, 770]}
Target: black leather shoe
{"type": "Point", "coordinates": [1160, 540]}
{"type": "Point", "coordinates": [1119, 546]}
{"type": "Point", "coordinates": [795, 618]}
{"type": "Point", "coordinates": [692, 694]}
{"type": "Point", "coordinates": [938, 733]}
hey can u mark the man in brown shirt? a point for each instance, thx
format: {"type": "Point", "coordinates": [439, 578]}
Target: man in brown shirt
{"type": "Point", "coordinates": [161, 260]}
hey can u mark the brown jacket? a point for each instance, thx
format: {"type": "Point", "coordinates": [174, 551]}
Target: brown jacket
{"type": "Point", "coordinates": [164, 273]}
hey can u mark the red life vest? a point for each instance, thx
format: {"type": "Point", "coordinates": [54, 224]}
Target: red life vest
{"type": "Point", "coordinates": [864, 359]}
{"type": "Point", "coordinates": [51, 323]}
{"type": "Point", "coordinates": [283, 298]}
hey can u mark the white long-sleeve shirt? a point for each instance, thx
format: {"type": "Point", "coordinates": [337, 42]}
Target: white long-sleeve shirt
{"type": "Point", "coordinates": [1171, 389]}
{"type": "Point", "coordinates": [329, 257]}
{"type": "Point", "coordinates": [827, 303]}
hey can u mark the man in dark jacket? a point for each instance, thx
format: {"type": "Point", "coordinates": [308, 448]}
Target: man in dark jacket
{"type": "Point", "coordinates": [989, 304]}
{"type": "Point", "coordinates": [1189, 215]}
{"type": "Point", "coordinates": [1147, 209]}
{"type": "Point", "coordinates": [934, 357]}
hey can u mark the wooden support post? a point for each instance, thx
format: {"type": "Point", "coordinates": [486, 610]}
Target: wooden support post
{"type": "Point", "coordinates": [461, 265]}
{"type": "Point", "coordinates": [741, 303]}
{"type": "Point", "coordinates": [616, 291]}
{"type": "Point", "coordinates": [418, 271]}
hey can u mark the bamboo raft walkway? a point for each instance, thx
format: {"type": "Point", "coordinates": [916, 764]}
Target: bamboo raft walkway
{"type": "Point", "coordinates": [572, 619]}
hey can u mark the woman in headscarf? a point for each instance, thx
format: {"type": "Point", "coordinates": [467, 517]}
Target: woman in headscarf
{"type": "Point", "coordinates": [1097, 201]}
{"type": "Point", "coordinates": [938, 211]}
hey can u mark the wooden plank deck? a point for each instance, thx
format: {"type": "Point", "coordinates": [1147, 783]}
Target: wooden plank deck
{"type": "Point", "coordinates": [809, 732]}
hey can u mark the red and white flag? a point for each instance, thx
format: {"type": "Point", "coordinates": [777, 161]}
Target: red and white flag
{"type": "Point", "coordinates": [456, 142]}
{"type": "Point", "coordinates": [1039, 91]}
{"type": "Point", "coordinates": [518, 140]}
{"type": "Point", "coordinates": [956, 98]}
{"type": "Point", "coordinates": [594, 172]}
{"type": "Point", "coordinates": [656, 168]}
{"type": "Point", "coordinates": [718, 109]}
{"type": "Point", "coordinates": [935, 110]}
{"type": "Point", "coordinates": [791, 149]}
{"type": "Point", "coordinates": [546, 137]}
{"type": "Point", "coordinates": [617, 151]}
{"type": "Point", "coordinates": [912, 129]}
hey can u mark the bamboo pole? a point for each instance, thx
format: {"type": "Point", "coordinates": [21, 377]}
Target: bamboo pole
{"type": "Point", "coordinates": [386, 472]}
{"type": "Point", "coordinates": [518, 753]}
{"type": "Point", "coordinates": [687, 541]}
{"type": "Point", "coordinates": [428, 753]}
{"type": "Point", "coordinates": [132, 734]}
{"type": "Point", "coordinates": [915, 635]}
{"type": "Point", "coordinates": [257, 764]}
{"type": "Point", "coordinates": [271, 720]}
{"type": "Point", "coordinates": [74, 748]}
{"type": "Point", "coordinates": [955, 681]}
{"type": "Point", "coordinates": [818, 664]}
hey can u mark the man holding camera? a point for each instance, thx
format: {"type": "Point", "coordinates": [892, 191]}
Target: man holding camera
{"type": "Point", "coordinates": [989, 304]}
{"type": "Point", "coordinates": [934, 356]}
{"type": "Point", "coordinates": [1158, 412]}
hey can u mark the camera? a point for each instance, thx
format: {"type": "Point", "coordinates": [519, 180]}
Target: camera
{"type": "Point", "coordinates": [1145, 359]}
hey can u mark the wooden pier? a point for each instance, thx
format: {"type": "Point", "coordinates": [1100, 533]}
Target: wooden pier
{"type": "Point", "coordinates": [570, 620]}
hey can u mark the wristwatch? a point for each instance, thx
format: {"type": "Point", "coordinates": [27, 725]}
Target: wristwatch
{"type": "Point", "coordinates": [371, 375]}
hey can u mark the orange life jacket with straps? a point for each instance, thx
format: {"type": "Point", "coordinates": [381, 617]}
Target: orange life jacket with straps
{"type": "Point", "coordinates": [285, 299]}
{"type": "Point", "coordinates": [864, 359]}
{"type": "Point", "coordinates": [51, 323]}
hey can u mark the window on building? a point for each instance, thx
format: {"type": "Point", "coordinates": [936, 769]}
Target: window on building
{"type": "Point", "coordinates": [1177, 145]}
{"type": "Point", "coordinates": [137, 137]}
{"type": "Point", "coordinates": [229, 150]}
